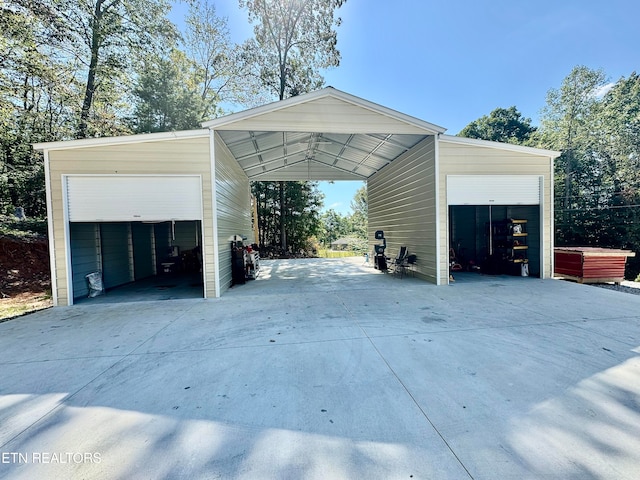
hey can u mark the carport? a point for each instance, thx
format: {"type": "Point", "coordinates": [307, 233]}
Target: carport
{"type": "Point", "coordinates": [203, 177]}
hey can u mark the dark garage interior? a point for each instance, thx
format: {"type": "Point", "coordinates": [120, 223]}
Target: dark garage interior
{"type": "Point", "coordinates": [482, 239]}
{"type": "Point", "coordinates": [154, 257]}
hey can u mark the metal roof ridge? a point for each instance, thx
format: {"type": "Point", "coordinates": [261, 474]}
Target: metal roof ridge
{"type": "Point", "coordinates": [499, 145]}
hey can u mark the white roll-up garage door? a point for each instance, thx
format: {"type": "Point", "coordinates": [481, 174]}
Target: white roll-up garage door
{"type": "Point", "coordinates": [126, 198]}
{"type": "Point", "coordinates": [494, 189]}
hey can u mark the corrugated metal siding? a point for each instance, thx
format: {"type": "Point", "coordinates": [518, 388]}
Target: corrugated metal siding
{"type": "Point", "coordinates": [402, 203]}
{"type": "Point", "coordinates": [456, 159]}
{"type": "Point", "coordinates": [85, 245]}
{"type": "Point", "coordinates": [183, 156]}
{"type": "Point", "coordinates": [122, 198]}
{"type": "Point", "coordinates": [234, 207]}
{"type": "Point", "coordinates": [163, 240]}
{"type": "Point", "coordinates": [143, 250]}
{"type": "Point", "coordinates": [187, 235]}
{"type": "Point", "coordinates": [117, 254]}
{"type": "Point", "coordinates": [333, 115]}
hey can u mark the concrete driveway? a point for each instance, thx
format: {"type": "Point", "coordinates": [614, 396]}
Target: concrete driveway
{"type": "Point", "coordinates": [329, 369]}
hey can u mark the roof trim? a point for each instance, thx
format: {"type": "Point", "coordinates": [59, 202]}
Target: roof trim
{"type": "Point", "coordinates": [499, 146]}
{"type": "Point", "coordinates": [228, 120]}
{"type": "Point", "coordinates": [140, 138]}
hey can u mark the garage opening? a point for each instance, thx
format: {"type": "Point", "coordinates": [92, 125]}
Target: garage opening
{"type": "Point", "coordinates": [142, 233]}
{"type": "Point", "coordinates": [495, 239]}
{"type": "Point", "coordinates": [137, 260]}
{"type": "Point", "coordinates": [495, 224]}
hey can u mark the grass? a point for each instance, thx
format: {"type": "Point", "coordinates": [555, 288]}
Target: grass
{"type": "Point", "coordinates": [22, 304]}
{"type": "Point", "coordinates": [24, 228]}
{"type": "Point", "coordinates": [337, 254]}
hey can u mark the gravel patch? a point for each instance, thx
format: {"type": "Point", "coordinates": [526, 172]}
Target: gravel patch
{"type": "Point", "coordinates": [626, 287]}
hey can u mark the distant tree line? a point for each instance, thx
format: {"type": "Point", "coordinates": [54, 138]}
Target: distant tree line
{"type": "Point", "coordinates": [596, 125]}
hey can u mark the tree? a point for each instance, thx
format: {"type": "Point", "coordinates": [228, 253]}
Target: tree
{"type": "Point", "coordinates": [36, 91]}
{"type": "Point", "coordinates": [360, 213]}
{"type": "Point", "coordinates": [293, 40]}
{"type": "Point", "coordinates": [167, 97]}
{"type": "Point", "coordinates": [567, 125]}
{"type": "Point", "coordinates": [102, 38]}
{"type": "Point", "coordinates": [334, 226]}
{"type": "Point", "coordinates": [501, 125]}
{"type": "Point", "coordinates": [618, 151]}
{"type": "Point", "coordinates": [299, 206]}
{"type": "Point", "coordinates": [598, 173]}
{"type": "Point", "coordinates": [217, 61]}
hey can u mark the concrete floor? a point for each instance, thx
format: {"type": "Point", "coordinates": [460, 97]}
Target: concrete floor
{"type": "Point", "coordinates": [158, 287]}
{"type": "Point", "coordinates": [329, 369]}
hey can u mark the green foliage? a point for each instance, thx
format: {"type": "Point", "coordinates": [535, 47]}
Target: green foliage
{"type": "Point", "coordinates": [298, 203]}
{"type": "Point", "coordinates": [597, 180]}
{"type": "Point", "coordinates": [10, 226]}
{"type": "Point", "coordinates": [501, 125]}
{"type": "Point", "coordinates": [35, 92]}
{"type": "Point", "coordinates": [353, 226]}
{"type": "Point", "coordinates": [360, 215]}
{"type": "Point", "coordinates": [568, 121]}
{"type": "Point", "coordinates": [334, 226]}
{"type": "Point", "coordinates": [216, 62]}
{"type": "Point", "coordinates": [69, 69]}
{"type": "Point", "coordinates": [167, 98]}
{"type": "Point", "coordinates": [292, 41]}
{"type": "Point", "coordinates": [324, 253]}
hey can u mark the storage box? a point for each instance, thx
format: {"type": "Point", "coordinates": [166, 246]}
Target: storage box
{"type": "Point", "coordinates": [591, 264]}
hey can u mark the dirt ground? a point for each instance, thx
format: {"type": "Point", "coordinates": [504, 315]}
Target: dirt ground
{"type": "Point", "coordinates": [25, 280]}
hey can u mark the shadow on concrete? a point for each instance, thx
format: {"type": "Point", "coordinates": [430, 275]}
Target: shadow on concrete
{"type": "Point", "coordinates": [330, 371]}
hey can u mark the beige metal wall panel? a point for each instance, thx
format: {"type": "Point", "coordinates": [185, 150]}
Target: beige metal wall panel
{"type": "Point", "coordinates": [234, 207]}
{"type": "Point", "coordinates": [458, 159]}
{"type": "Point", "coordinates": [329, 115]}
{"type": "Point", "coordinates": [168, 156]}
{"type": "Point", "coordinates": [402, 203]}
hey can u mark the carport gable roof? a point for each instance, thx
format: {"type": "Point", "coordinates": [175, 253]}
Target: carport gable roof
{"type": "Point", "coordinates": [322, 135]}
{"type": "Point", "coordinates": [500, 146]}
{"type": "Point", "coordinates": [121, 140]}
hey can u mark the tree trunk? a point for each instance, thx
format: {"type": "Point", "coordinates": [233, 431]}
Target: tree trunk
{"type": "Point", "coordinates": [93, 66]}
{"type": "Point", "coordinates": [283, 233]}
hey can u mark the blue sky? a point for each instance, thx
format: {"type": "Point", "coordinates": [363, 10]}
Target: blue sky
{"type": "Point", "coordinates": [450, 63]}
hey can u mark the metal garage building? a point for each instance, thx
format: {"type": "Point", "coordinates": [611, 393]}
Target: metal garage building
{"type": "Point", "coordinates": [119, 204]}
